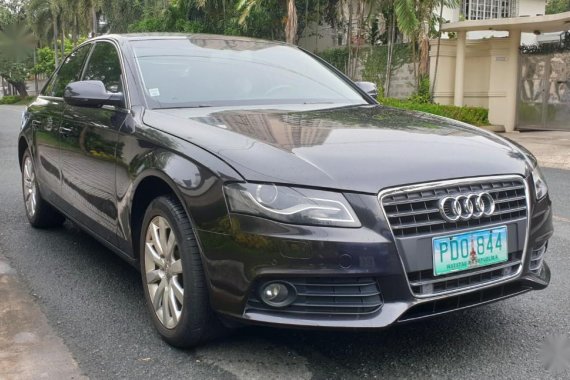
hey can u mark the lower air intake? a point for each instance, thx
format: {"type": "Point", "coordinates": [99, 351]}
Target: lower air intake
{"type": "Point", "coordinates": [326, 296]}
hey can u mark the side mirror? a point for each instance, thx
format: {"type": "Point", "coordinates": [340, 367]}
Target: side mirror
{"type": "Point", "coordinates": [368, 87]}
{"type": "Point", "coordinates": [91, 93]}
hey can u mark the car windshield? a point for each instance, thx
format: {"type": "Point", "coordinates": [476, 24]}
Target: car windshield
{"type": "Point", "coordinates": [206, 71]}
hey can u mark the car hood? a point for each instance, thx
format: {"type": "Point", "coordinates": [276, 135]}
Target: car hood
{"type": "Point", "coordinates": [353, 148]}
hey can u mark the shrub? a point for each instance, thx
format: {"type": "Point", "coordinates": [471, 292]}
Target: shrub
{"type": "Point", "coordinates": [423, 94]}
{"type": "Point", "coordinates": [472, 115]}
{"type": "Point", "coordinates": [10, 99]}
{"type": "Point", "coordinates": [338, 57]}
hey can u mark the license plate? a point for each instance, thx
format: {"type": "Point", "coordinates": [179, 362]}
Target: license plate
{"type": "Point", "coordinates": [470, 250]}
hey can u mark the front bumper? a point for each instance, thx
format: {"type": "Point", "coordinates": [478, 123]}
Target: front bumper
{"type": "Point", "coordinates": [259, 250]}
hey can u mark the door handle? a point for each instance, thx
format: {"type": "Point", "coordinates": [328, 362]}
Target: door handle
{"type": "Point", "coordinates": [64, 131]}
{"type": "Point", "coordinates": [36, 123]}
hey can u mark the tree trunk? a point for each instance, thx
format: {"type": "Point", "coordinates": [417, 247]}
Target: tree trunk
{"type": "Point", "coordinates": [19, 86]}
{"type": "Point", "coordinates": [389, 60]}
{"type": "Point", "coordinates": [74, 37]}
{"type": "Point", "coordinates": [224, 13]}
{"type": "Point", "coordinates": [437, 54]}
{"type": "Point", "coordinates": [423, 68]}
{"type": "Point", "coordinates": [62, 41]}
{"type": "Point", "coordinates": [94, 22]}
{"type": "Point", "coordinates": [349, 41]}
{"type": "Point", "coordinates": [55, 49]}
{"type": "Point", "coordinates": [36, 85]}
{"type": "Point", "coordinates": [359, 27]}
{"type": "Point", "coordinates": [291, 25]}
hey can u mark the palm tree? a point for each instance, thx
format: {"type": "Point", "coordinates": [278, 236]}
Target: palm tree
{"type": "Point", "coordinates": [291, 25]}
{"type": "Point", "coordinates": [415, 19]}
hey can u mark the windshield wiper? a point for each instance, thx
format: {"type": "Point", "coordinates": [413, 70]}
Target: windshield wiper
{"type": "Point", "coordinates": [194, 106]}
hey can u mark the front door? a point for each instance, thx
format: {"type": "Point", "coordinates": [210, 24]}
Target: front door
{"type": "Point", "coordinates": [47, 114]}
{"type": "Point", "coordinates": [88, 148]}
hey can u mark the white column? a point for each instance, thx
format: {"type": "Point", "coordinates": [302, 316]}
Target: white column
{"type": "Point", "coordinates": [459, 69]}
{"type": "Point", "coordinates": [512, 80]}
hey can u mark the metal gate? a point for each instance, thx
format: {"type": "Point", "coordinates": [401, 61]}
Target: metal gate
{"type": "Point", "coordinates": [544, 91]}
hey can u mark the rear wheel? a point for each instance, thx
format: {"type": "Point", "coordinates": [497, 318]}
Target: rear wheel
{"type": "Point", "coordinates": [173, 279]}
{"type": "Point", "coordinates": [40, 213]}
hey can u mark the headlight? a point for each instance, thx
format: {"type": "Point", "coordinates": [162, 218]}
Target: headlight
{"type": "Point", "coordinates": [540, 186]}
{"type": "Point", "coordinates": [291, 205]}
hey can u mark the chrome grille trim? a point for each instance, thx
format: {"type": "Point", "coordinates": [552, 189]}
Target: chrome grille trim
{"type": "Point", "coordinates": [479, 272]}
{"type": "Point", "coordinates": [418, 213]}
{"type": "Point", "coordinates": [466, 186]}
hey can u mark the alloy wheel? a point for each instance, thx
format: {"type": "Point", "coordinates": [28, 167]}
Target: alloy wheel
{"type": "Point", "coordinates": [30, 187]}
{"type": "Point", "coordinates": [163, 267]}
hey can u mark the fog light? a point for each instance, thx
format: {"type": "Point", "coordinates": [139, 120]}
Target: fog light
{"type": "Point", "coordinates": [277, 294]}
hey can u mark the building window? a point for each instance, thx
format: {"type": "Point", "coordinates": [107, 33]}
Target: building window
{"type": "Point", "coordinates": [487, 9]}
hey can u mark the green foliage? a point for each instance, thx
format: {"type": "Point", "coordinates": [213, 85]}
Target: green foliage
{"type": "Point", "coordinates": [9, 99]}
{"type": "Point", "coordinates": [376, 59]}
{"type": "Point", "coordinates": [336, 57]}
{"type": "Point", "coordinates": [557, 6]}
{"type": "Point", "coordinates": [423, 95]}
{"type": "Point", "coordinates": [45, 61]}
{"type": "Point", "coordinates": [472, 115]}
{"type": "Point", "coordinates": [45, 58]}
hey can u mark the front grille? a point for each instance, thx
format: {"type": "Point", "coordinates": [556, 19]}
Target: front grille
{"type": "Point", "coordinates": [331, 296]}
{"type": "Point", "coordinates": [537, 258]}
{"type": "Point", "coordinates": [414, 218]}
{"type": "Point", "coordinates": [416, 212]}
{"type": "Point", "coordinates": [463, 301]}
{"type": "Point", "coordinates": [424, 283]}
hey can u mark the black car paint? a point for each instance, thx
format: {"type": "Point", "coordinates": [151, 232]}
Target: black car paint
{"type": "Point", "coordinates": [193, 152]}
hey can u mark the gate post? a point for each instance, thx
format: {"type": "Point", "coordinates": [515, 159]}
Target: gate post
{"type": "Point", "coordinates": [511, 84]}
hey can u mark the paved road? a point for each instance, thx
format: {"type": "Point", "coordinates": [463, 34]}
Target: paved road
{"type": "Point", "coordinates": [94, 301]}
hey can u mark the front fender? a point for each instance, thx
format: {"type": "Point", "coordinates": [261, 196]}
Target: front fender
{"type": "Point", "coordinates": [193, 174]}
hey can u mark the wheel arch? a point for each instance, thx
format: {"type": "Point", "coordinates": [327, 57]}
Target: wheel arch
{"type": "Point", "coordinates": [150, 186]}
{"type": "Point", "coordinates": [22, 146]}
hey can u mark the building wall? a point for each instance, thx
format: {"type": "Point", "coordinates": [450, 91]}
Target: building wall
{"type": "Point", "coordinates": [317, 38]}
{"type": "Point", "coordinates": [486, 75]}
{"type": "Point", "coordinates": [402, 82]}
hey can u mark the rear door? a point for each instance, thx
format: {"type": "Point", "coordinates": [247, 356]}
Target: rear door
{"type": "Point", "coordinates": [89, 148]}
{"type": "Point", "coordinates": [46, 114]}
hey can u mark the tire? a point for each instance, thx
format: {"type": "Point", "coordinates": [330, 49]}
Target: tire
{"type": "Point", "coordinates": [187, 319]}
{"type": "Point", "coordinates": [40, 213]}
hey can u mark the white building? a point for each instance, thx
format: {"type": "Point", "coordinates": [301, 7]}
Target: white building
{"type": "Point", "coordinates": [496, 9]}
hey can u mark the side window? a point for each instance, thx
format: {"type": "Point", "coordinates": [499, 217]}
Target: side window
{"type": "Point", "coordinates": [69, 71]}
{"type": "Point", "coordinates": [104, 65]}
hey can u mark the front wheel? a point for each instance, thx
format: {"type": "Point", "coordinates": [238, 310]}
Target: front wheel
{"type": "Point", "coordinates": [173, 279]}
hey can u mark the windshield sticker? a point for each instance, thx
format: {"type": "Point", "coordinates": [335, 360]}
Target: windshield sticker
{"type": "Point", "coordinates": [154, 92]}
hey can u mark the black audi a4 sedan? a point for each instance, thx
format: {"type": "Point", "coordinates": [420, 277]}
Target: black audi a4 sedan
{"type": "Point", "coordinates": [252, 182]}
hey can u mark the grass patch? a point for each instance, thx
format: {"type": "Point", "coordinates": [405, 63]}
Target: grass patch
{"type": "Point", "coordinates": [478, 116]}
{"type": "Point", "coordinates": [17, 100]}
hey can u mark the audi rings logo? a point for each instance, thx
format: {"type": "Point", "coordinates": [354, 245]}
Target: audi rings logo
{"type": "Point", "coordinates": [466, 207]}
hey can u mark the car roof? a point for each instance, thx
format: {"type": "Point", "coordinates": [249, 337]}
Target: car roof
{"type": "Point", "coordinates": [179, 36]}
